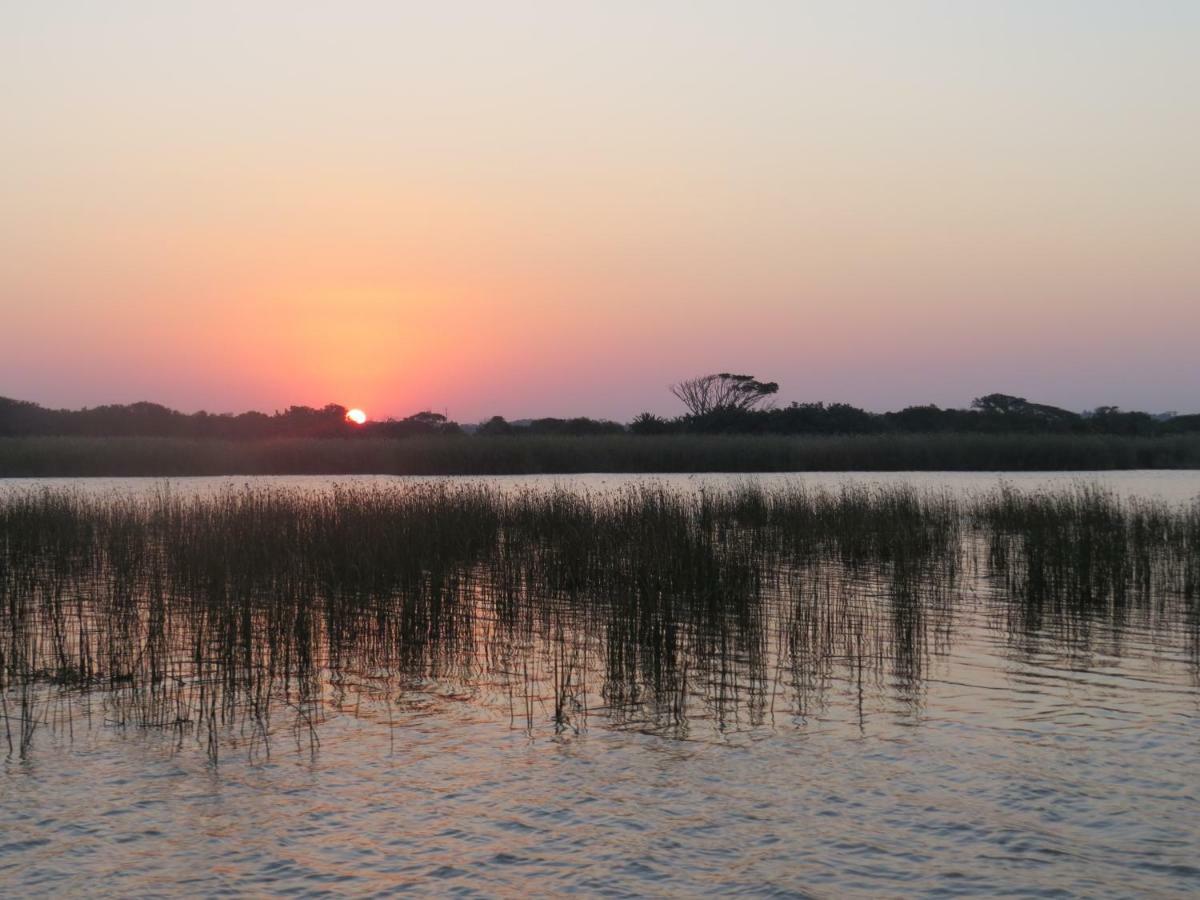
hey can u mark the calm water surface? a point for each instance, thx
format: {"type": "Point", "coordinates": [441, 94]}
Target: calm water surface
{"type": "Point", "coordinates": [1172, 485]}
{"type": "Point", "coordinates": [979, 748]}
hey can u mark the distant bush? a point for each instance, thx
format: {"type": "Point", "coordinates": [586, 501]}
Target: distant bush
{"type": "Point", "coordinates": [579, 426]}
{"type": "Point", "coordinates": [648, 423]}
{"type": "Point", "coordinates": [495, 426]}
{"type": "Point", "coordinates": [1181, 424]}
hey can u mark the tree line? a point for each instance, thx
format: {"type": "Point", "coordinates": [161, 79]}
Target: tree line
{"type": "Point", "coordinates": [741, 404]}
{"type": "Point", "coordinates": [722, 403]}
{"type": "Point", "coordinates": [20, 418]}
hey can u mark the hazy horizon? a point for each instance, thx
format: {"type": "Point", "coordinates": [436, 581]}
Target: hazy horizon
{"type": "Point", "coordinates": [533, 209]}
{"type": "Point", "coordinates": [679, 410]}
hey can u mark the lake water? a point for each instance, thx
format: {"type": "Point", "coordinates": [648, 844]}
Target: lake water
{"type": "Point", "coordinates": [888, 741]}
{"type": "Point", "coordinates": [1172, 485]}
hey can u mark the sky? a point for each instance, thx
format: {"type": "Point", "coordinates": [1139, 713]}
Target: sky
{"type": "Point", "coordinates": [553, 209]}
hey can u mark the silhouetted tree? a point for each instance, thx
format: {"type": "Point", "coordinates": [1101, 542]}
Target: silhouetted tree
{"type": "Point", "coordinates": [496, 425]}
{"type": "Point", "coordinates": [927, 418]}
{"type": "Point", "coordinates": [817, 418]}
{"type": "Point", "coordinates": [1003, 412]}
{"type": "Point", "coordinates": [999, 404]}
{"type": "Point", "coordinates": [724, 391]}
{"type": "Point", "coordinates": [648, 423]}
{"type": "Point", "coordinates": [1111, 420]}
{"type": "Point", "coordinates": [424, 422]}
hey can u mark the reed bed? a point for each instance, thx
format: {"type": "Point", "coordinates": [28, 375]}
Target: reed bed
{"type": "Point", "coordinates": [210, 617]}
{"type": "Point", "coordinates": [1071, 558]}
{"type": "Point", "coordinates": [545, 454]}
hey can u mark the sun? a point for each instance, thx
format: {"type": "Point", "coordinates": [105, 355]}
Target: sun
{"type": "Point", "coordinates": [357, 416]}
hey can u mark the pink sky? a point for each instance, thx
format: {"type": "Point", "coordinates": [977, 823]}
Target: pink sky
{"type": "Point", "coordinates": [551, 209]}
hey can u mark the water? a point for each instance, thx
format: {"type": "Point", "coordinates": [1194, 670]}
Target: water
{"type": "Point", "coordinates": [963, 739]}
{"type": "Point", "coordinates": [1172, 485]}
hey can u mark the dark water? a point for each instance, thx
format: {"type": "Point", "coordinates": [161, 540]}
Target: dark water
{"type": "Point", "coordinates": [845, 734]}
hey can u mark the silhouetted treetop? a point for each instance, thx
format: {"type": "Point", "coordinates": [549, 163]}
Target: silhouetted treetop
{"type": "Point", "coordinates": [729, 402]}
{"type": "Point", "coordinates": [496, 425]}
{"type": "Point", "coordinates": [723, 391]}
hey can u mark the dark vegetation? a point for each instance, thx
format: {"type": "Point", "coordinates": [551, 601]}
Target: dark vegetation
{"type": "Point", "coordinates": [542, 454]}
{"type": "Point", "coordinates": [222, 619]}
{"type": "Point", "coordinates": [729, 426]}
{"type": "Point", "coordinates": [715, 404]}
{"type": "Point", "coordinates": [729, 403]}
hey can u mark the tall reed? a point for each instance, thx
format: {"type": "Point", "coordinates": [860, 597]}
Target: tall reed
{"type": "Point", "coordinates": [211, 616]}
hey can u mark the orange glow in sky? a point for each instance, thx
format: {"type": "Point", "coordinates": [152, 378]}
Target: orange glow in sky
{"type": "Point", "coordinates": [556, 209]}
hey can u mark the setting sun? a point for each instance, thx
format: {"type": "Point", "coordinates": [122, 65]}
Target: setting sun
{"type": "Point", "coordinates": [357, 416]}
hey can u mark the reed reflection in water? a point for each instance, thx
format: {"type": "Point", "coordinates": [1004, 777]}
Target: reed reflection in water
{"type": "Point", "coordinates": [230, 618]}
{"type": "Point", "coordinates": [640, 690]}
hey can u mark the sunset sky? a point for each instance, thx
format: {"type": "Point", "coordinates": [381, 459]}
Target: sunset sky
{"type": "Point", "coordinates": [559, 208]}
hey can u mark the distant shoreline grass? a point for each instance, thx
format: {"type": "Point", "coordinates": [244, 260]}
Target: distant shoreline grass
{"type": "Point", "coordinates": [530, 455]}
